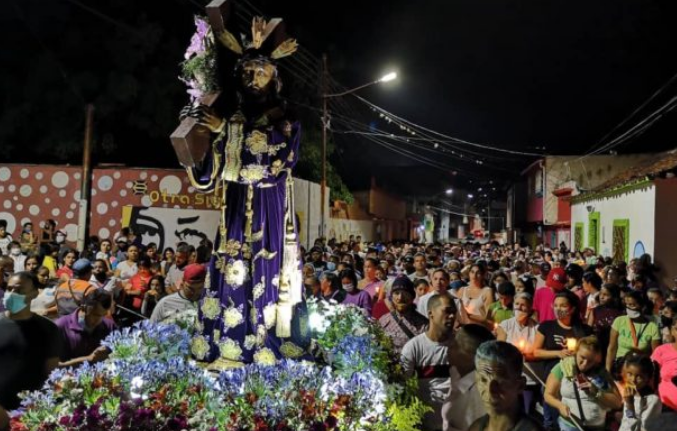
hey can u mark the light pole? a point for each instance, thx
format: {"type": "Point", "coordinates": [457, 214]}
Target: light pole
{"type": "Point", "coordinates": [325, 126]}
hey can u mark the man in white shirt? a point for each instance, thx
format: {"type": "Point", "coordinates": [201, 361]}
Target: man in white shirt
{"type": "Point", "coordinates": [440, 285]}
{"type": "Point", "coordinates": [186, 298]}
{"type": "Point", "coordinates": [420, 268]}
{"type": "Point", "coordinates": [426, 356]}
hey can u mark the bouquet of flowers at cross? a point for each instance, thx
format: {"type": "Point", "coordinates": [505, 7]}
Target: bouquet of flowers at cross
{"type": "Point", "coordinates": [149, 383]}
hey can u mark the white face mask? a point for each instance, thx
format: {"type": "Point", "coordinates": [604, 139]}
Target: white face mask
{"type": "Point", "coordinates": [348, 287]}
{"type": "Point", "coordinates": [15, 251]}
{"type": "Point", "coordinates": [633, 314]}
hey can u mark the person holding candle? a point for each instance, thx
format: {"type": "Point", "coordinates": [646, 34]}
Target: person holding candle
{"type": "Point", "coordinates": [520, 331]}
{"type": "Point", "coordinates": [633, 332]}
{"type": "Point", "coordinates": [551, 345]}
{"type": "Point", "coordinates": [581, 389]}
{"type": "Point", "coordinates": [476, 297]}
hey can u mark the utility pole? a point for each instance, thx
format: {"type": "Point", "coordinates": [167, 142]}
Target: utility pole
{"type": "Point", "coordinates": [86, 180]}
{"type": "Point", "coordinates": [325, 121]}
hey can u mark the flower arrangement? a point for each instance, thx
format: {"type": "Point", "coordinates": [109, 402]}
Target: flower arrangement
{"type": "Point", "coordinates": [199, 69]}
{"type": "Point", "coordinates": [148, 383]}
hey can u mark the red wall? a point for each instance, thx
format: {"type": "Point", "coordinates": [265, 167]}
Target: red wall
{"type": "Point", "coordinates": [39, 192]}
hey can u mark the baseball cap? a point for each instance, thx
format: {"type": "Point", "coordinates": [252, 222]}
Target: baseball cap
{"type": "Point", "coordinates": [403, 283]}
{"type": "Point", "coordinates": [557, 279]}
{"type": "Point", "coordinates": [82, 266]}
{"type": "Point", "coordinates": [195, 272]}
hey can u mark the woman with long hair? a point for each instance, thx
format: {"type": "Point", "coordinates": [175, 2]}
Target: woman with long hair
{"type": "Point", "coordinates": [476, 297]}
{"type": "Point", "coordinates": [556, 340]}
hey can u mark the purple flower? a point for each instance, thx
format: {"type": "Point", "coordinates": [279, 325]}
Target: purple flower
{"type": "Point", "coordinates": [197, 42]}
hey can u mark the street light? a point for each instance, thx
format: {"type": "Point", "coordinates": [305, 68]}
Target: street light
{"type": "Point", "coordinates": [449, 191]}
{"type": "Point", "coordinates": [325, 122]}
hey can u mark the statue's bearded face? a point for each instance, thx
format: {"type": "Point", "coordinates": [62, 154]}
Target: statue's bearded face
{"type": "Point", "coordinates": [257, 76]}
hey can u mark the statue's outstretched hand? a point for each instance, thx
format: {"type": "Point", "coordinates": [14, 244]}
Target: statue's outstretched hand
{"type": "Point", "coordinates": [205, 116]}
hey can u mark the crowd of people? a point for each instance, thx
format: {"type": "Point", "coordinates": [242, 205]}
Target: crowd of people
{"type": "Point", "coordinates": [497, 337]}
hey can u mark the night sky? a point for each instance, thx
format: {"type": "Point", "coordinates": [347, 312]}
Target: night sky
{"type": "Point", "coordinates": [519, 75]}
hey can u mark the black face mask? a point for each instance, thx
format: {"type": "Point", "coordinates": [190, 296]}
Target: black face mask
{"type": "Point", "coordinates": [101, 276]}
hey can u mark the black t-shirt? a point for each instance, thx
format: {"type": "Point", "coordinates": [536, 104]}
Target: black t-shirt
{"type": "Point", "coordinates": [556, 337]}
{"type": "Point", "coordinates": [25, 347]}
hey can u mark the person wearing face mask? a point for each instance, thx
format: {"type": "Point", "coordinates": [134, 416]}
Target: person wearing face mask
{"type": "Point", "coordinates": [354, 296]}
{"type": "Point", "coordinates": [83, 330]}
{"type": "Point", "coordinates": [31, 340]}
{"type": "Point", "coordinates": [555, 338]}
{"type": "Point", "coordinates": [580, 387]}
{"type": "Point", "coordinates": [17, 256]}
{"type": "Point", "coordinates": [632, 332]}
{"type": "Point", "coordinates": [403, 322]}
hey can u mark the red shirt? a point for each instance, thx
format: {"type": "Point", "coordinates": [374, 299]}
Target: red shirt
{"type": "Point", "coordinates": [64, 270]}
{"type": "Point", "coordinates": [140, 283]}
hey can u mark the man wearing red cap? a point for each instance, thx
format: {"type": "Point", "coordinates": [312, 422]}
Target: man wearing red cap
{"type": "Point", "coordinates": [544, 298]}
{"type": "Point", "coordinates": [186, 298]}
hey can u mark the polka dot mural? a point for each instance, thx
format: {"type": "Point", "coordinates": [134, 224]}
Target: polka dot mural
{"type": "Point", "coordinates": [36, 193]}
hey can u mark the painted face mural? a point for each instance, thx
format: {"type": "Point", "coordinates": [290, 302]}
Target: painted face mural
{"type": "Point", "coordinates": [168, 226]}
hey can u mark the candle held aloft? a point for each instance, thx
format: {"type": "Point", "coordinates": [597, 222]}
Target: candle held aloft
{"type": "Point", "coordinates": [571, 344]}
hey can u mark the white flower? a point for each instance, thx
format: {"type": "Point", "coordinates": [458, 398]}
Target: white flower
{"type": "Point", "coordinates": [232, 317]}
{"type": "Point", "coordinates": [265, 356]}
{"type": "Point", "coordinates": [230, 349]}
{"type": "Point", "coordinates": [236, 273]}
{"type": "Point", "coordinates": [211, 308]}
{"type": "Point", "coordinates": [249, 342]}
{"type": "Point", "coordinates": [199, 347]}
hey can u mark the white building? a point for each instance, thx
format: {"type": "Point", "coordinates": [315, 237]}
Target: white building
{"type": "Point", "coordinates": [633, 213]}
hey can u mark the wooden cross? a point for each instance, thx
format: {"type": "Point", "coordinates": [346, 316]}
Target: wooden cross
{"type": "Point", "coordinates": [191, 141]}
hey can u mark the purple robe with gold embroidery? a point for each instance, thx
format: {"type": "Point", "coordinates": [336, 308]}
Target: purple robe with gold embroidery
{"type": "Point", "coordinates": [238, 311]}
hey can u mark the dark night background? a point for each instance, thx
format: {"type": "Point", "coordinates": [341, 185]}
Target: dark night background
{"type": "Point", "coordinates": [519, 75]}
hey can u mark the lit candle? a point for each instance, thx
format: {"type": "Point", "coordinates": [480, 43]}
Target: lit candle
{"type": "Point", "coordinates": [521, 345]}
{"type": "Point", "coordinates": [571, 344]}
